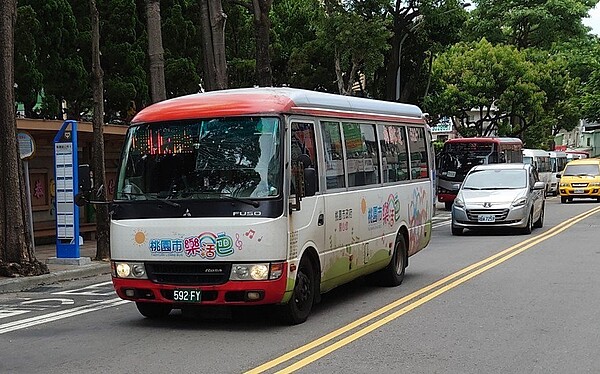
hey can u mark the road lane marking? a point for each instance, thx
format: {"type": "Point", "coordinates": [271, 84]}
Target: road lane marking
{"type": "Point", "coordinates": [446, 284]}
{"type": "Point", "coordinates": [50, 317]}
{"type": "Point", "coordinates": [91, 290]}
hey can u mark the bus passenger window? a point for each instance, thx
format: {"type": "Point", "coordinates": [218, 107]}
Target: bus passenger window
{"type": "Point", "coordinates": [393, 152]}
{"type": "Point", "coordinates": [361, 154]}
{"type": "Point", "coordinates": [418, 153]}
{"type": "Point", "coordinates": [334, 156]}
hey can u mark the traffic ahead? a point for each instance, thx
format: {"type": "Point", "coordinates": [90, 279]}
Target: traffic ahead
{"type": "Point", "coordinates": [483, 302]}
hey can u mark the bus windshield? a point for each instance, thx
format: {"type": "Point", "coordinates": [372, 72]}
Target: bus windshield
{"type": "Point", "coordinates": [457, 159]}
{"type": "Point", "coordinates": [202, 159]}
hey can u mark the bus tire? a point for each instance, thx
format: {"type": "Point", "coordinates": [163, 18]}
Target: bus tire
{"type": "Point", "coordinates": [393, 274]}
{"type": "Point", "coordinates": [153, 310]}
{"type": "Point", "coordinates": [297, 310]}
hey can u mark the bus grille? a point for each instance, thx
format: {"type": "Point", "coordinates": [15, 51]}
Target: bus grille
{"type": "Point", "coordinates": [499, 213]}
{"type": "Point", "coordinates": [188, 273]}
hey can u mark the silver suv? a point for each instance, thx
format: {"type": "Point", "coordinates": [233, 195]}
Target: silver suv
{"type": "Point", "coordinates": [499, 195]}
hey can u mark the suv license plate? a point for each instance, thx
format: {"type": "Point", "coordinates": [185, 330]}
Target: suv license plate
{"type": "Point", "coordinates": [486, 218]}
{"type": "Point", "coordinates": [579, 191]}
{"type": "Point", "coordinates": [187, 295]}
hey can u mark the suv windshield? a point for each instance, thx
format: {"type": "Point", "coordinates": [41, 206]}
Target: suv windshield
{"type": "Point", "coordinates": [496, 179]}
{"type": "Point", "coordinates": [202, 159]}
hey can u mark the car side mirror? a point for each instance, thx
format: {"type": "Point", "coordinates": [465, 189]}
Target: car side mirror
{"type": "Point", "coordinates": [539, 186]}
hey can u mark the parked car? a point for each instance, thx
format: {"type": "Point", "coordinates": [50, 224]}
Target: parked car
{"type": "Point", "coordinates": [580, 179]}
{"type": "Point", "coordinates": [500, 195]}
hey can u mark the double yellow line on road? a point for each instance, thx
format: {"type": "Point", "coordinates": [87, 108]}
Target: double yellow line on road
{"type": "Point", "coordinates": [416, 299]}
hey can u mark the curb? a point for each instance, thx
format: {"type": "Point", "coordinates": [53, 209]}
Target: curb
{"type": "Point", "coordinates": [24, 283]}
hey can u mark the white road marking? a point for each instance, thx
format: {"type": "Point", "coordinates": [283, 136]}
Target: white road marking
{"type": "Point", "coordinates": [62, 301]}
{"type": "Point", "coordinates": [50, 317]}
{"type": "Point", "coordinates": [12, 312]}
{"type": "Point", "coordinates": [91, 290]}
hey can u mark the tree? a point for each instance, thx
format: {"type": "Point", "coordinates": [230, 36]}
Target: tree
{"type": "Point", "coordinates": [16, 243]}
{"type": "Point", "coordinates": [496, 81]}
{"type": "Point", "coordinates": [524, 24]}
{"type": "Point", "coordinates": [213, 40]}
{"type": "Point", "coordinates": [158, 90]}
{"type": "Point", "coordinates": [28, 78]}
{"type": "Point", "coordinates": [358, 38]}
{"type": "Point", "coordinates": [102, 218]}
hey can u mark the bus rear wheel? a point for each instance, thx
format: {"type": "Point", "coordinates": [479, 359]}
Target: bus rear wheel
{"type": "Point", "coordinates": [393, 274]}
{"type": "Point", "coordinates": [153, 310]}
{"type": "Point", "coordinates": [296, 311]}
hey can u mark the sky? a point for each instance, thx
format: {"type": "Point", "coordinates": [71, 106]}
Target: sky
{"type": "Point", "coordinates": [594, 20]}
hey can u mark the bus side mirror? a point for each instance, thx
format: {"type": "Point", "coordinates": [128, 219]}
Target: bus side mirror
{"type": "Point", "coordinates": [558, 176]}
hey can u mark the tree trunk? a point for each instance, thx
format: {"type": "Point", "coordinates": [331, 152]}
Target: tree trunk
{"type": "Point", "coordinates": [102, 218]}
{"type": "Point", "coordinates": [262, 28]}
{"type": "Point", "coordinates": [158, 89]}
{"type": "Point", "coordinates": [16, 243]}
{"type": "Point", "coordinates": [213, 42]}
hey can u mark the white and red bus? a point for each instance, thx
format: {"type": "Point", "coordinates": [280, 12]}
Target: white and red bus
{"type": "Point", "coordinates": [267, 196]}
{"type": "Point", "coordinates": [459, 155]}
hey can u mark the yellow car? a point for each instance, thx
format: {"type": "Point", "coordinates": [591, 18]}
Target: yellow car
{"type": "Point", "coordinates": [580, 179]}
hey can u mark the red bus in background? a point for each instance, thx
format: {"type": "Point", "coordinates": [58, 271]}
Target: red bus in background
{"type": "Point", "coordinates": [459, 155]}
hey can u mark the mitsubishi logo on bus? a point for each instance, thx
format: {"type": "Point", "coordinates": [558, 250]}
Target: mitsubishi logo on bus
{"type": "Point", "coordinates": [246, 214]}
{"type": "Point", "coordinates": [487, 205]}
{"type": "Point", "coordinates": [187, 213]}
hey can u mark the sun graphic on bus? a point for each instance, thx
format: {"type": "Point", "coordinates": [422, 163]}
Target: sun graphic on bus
{"type": "Point", "coordinates": [139, 237]}
{"type": "Point", "coordinates": [363, 205]}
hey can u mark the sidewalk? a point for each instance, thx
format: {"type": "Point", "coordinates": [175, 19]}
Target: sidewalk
{"type": "Point", "coordinates": [58, 272]}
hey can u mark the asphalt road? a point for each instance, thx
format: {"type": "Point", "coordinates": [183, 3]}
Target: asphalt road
{"type": "Point", "coordinates": [478, 303]}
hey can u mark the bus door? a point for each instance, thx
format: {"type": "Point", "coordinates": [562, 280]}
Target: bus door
{"type": "Point", "coordinates": [307, 223]}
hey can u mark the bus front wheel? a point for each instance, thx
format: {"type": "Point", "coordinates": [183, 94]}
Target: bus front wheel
{"type": "Point", "coordinates": [296, 311]}
{"type": "Point", "coordinates": [153, 310]}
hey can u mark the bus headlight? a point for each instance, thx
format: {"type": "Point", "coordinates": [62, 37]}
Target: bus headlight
{"type": "Point", "coordinates": [254, 272]}
{"type": "Point", "coordinates": [131, 270]}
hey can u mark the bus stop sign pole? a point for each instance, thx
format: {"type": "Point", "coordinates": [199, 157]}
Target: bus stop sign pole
{"type": "Point", "coordinates": [67, 186]}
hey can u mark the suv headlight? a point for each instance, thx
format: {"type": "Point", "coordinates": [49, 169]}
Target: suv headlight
{"type": "Point", "coordinates": [459, 202]}
{"type": "Point", "coordinates": [595, 184]}
{"type": "Point", "coordinates": [563, 184]}
{"type": "Point", "coordinates": [130, 270]}
{"type": "Point", "coordinates": [254, 272]}
{"type": "Point", "coordinates": [519, 202]}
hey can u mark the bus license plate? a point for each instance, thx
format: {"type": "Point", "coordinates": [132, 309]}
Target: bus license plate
{"type": "Point", "coordinates": [486, 218]}
{"type": "Point", "coordinates": [579, 191]}
{"type": "Point", "coordinates": [187, 295]}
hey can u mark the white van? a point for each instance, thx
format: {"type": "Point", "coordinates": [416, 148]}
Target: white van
{"type": "Point", "coordinates": [558, 160]}
{"type": "Point", "coordinates": [540, 160]}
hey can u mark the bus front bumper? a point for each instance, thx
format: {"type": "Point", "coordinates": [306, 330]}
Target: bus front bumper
{"type": "Point", "coordinates": [229, 293]}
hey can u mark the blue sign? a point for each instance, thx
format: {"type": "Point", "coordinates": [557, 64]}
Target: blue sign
{"type": "Point", "coordinates": [67, 186]}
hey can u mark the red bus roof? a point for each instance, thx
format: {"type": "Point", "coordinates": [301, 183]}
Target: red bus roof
{"type": "Point", "coordinates": [272, 101]}
{"type": "Point", "coordinates": [486, 140]}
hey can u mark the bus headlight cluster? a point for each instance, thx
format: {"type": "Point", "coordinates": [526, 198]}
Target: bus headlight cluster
{"type": "Point", "coordinates": [131, 270]}
{"type": "Point", "coordinates": [254, 272]}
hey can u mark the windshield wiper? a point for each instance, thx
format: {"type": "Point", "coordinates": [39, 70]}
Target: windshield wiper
{"type": "Point", "coordinates": [168, 202]}
{"type": "Point", "coordinates": [255, 204]}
